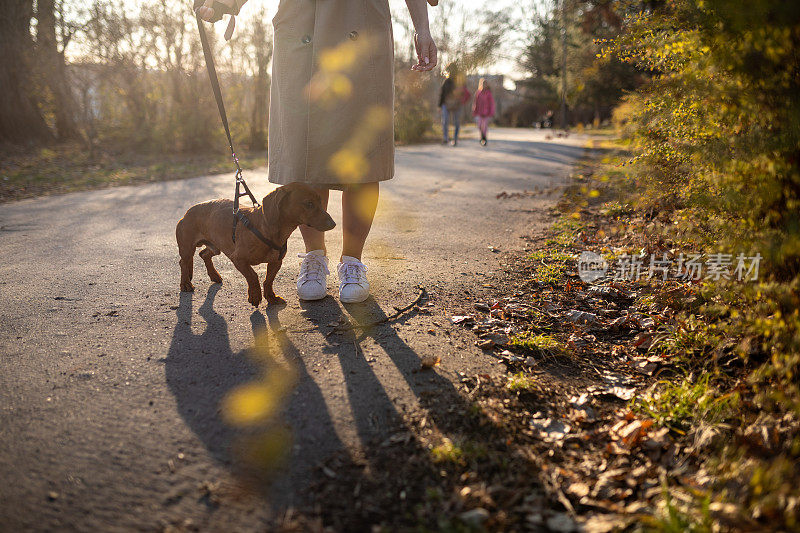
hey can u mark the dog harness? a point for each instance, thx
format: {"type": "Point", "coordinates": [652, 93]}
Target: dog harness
{"type": "Point", "coordinates": [241, 217]}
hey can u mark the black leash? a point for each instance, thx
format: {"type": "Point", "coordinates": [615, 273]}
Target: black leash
{"type": "Point", "coordinates": [238, 216]}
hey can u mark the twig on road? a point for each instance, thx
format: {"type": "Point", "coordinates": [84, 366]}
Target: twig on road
{"type": "Point", "coordinates": [423, 294]}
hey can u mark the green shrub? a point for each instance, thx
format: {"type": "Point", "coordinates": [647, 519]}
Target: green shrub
{"type": "Point", "coordinates": [717, 129]}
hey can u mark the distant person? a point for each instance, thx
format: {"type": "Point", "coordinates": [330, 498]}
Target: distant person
{"type": "Point", "coordinates": [452, 98]}
{"type": "Point", "coordinates": [547, 121]}
{"type": "Point", "coordinates": [483, 108]}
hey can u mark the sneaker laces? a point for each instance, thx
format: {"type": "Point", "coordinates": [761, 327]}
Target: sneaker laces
{"type": "Point", "coordinates": [313, 267]}
{"type": "Point", "coordinates": [352, 272]}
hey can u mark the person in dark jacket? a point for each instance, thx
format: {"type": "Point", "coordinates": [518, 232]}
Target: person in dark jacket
{"type": "Point", "coordinates": [453, 96]}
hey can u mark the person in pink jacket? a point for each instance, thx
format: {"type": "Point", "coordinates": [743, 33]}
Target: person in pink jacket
{"type": "Point", "coordinates": [483, 108]}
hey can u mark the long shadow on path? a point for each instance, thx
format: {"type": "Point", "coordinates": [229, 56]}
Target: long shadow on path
{"type": "Point", "coordinates": [201, 369]}
{"type": "Point", "coordinates": [387, 477]}
{"type": "Point", "coordinates": [313, 432]}
{"type": "Point", "coordinates": [391, 483]}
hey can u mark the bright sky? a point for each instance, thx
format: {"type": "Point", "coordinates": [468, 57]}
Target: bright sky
{"type": "Point", "coordinates": [462, 19]}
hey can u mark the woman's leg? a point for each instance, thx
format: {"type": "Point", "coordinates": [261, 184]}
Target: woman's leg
{"type": "Point", "coordinates": [456, 124]}
{"type": "Point", "coordinates": [315, 239]}
{"type": "Point", "coordinates": [359, 203]}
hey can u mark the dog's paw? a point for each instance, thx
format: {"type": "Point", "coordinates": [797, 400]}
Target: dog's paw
{"type": "Point", "coordinates": [187, 287]}
{"type": "Point", "coordinates": [275, 300]}
{"type": "Point", "coordinates": [254, 298]}
{"type": "Point", "coordinates": [216, 279]}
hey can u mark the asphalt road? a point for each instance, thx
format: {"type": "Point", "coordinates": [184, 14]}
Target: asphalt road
{"type": "Point", "coordinates": [111, 380]}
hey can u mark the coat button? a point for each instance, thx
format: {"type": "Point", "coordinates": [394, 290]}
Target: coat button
{"type": "Point", "coordinates": [306, 39]}
{"type": "Point", "coordinates": [353, 35]}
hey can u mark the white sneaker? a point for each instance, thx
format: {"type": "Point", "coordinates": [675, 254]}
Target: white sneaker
{"type": "Point", "coordinates": [312, 284]}
{"type": "Point", "coordinates": [353, 285]}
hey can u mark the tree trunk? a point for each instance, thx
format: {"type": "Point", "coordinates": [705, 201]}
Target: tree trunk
{"type": "Point", "coordinates": [20, 119]}
{"type": "Point", "coordinates": [262, 43]}
{"type": "Point", "coordinates": [55, 71]}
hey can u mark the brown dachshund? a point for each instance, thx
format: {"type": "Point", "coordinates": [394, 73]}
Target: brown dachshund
{"type": "Point", "coordinates": [210, 224]}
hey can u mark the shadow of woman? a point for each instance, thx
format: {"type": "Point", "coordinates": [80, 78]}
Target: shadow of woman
{"type": "Point", "coordinates": [200, 371]}
{"type": "Point", "coordinates": [391, 482]}
{"type": "Point", "coordinates": [373, 411]}
{"type": "Point", "coordinates": [436, 393]}
{"type": "Point", "coordinates": [313, 433]}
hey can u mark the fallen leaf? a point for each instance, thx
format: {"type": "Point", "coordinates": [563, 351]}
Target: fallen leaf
{"type": "Point", "coordinates": [643, 341]}
{"type": "Point", "coordinates": [577, 489]}
{"type": "Point", "coordinates": [498, 338]}
{"type": "Point", "coordinates": [579, 401]}
{"type": "Point", "coordinates": [603, 523]}
{"type": "Point", "coordinates": [550, 429]}
{"type": "Point", "coordinates": [633, 433]}
{"type": "Point", "coordinates": [616, 378]}
{"type": "Point", "coordinates": [645, 366]}
{"type": "Point", "coordinates": [474, 517]}
{"type": "Point", "coordinates": [582, 317]}
{"type": "Point", "coordinates": [487, 344]}
{"type": "Point", "coordinates": [623, 393]}
{"type": "Point", "coordinates": [562, 523]}
{"type": "Point", "coordinates": [431, 361]}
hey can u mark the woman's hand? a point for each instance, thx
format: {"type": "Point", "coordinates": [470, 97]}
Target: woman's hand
{"type": "Point", "coordinates": [423, 42]}
{"type": "Point", "coordinates": [211, 13]}
{"type": "Point", "coordinates": [426, 51]}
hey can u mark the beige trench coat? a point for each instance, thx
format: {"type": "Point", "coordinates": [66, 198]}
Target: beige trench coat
{"type": "Point", "coordinates": [332, 93]}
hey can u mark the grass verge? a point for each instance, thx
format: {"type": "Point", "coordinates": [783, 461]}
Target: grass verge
{"type": "Point", "coordinates": [68, 168]}
{"type": "Point", "coordinates": [733, 401]}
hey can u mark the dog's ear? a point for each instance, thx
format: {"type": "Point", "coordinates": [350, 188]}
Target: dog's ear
{"type": "Point", "coordinates": [273, 201]}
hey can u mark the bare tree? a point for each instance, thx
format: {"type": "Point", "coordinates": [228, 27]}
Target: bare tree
{"type": "Point", "coordinates": [21, 120]}
{"type": "Point", "coordinates": [261, 39]}
{"type": "Point", "coordinates": [50, 55]}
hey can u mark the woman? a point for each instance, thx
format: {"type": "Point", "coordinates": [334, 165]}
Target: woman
{"type": "Point", "coordinates": [330, 122]}
{"type": "Point", "coordinates": [483, 108]}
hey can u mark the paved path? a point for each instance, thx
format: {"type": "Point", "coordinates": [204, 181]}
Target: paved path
{"type": "Point", "coordinates": [111, 380]}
